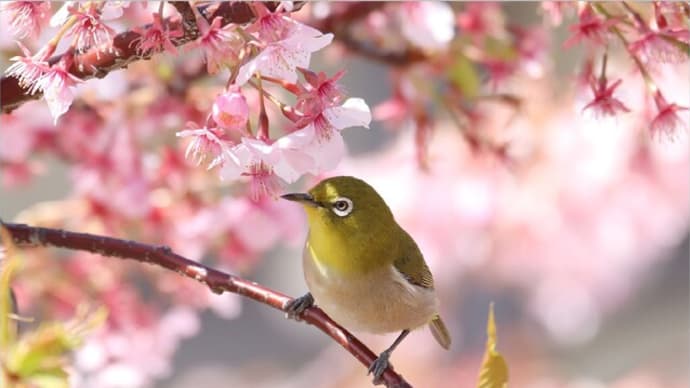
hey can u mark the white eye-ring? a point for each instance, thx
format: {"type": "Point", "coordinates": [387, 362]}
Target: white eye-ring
{"type": "Point", "coordinates": [342, 206]}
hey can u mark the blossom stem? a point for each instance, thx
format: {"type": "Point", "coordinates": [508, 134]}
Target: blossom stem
{"type": "Point", "coordinates": [262, 133]}
{"type": "Point", "coordinates": [649, 81]}
{"type": "Point", "coordinates": [160, 7]}
{"type": "Point", "coordinates": [604, 60]}
{"type": "Point", "coordinates": [289, 112]}
{"type": "Point", "coordinates": [290, 87]}
{"type": "Point", "coordinates": [217, 281]}
{"type": "Point", "coordinates": [53, 42]}
{"type": "Point", "coordinates": [636, 15]}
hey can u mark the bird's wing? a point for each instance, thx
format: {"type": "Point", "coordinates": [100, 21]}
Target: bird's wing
{"type": "Point", "coordinates": [410, 263]}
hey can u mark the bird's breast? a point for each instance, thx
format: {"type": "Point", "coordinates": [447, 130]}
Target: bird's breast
{"type": "Point", "coordinates": [377, 301]}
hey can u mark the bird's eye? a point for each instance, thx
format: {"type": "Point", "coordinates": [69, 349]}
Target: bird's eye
{"type": "Point", "coordinates": [342, 206]}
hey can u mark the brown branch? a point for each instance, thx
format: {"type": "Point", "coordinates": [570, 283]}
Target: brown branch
{"type": "Point", "coordinates": [216, 281]}
{"type": "Point", "coordinates": [120, 52]}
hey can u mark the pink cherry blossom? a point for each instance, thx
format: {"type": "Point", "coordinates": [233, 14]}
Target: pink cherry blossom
{"type": "Point", "coordinates": [281, 58]}
{"type": "Point", "coordinates": [58, 87]}
{"type": "Point", "coordinates": [269, 165]}
{"type": "Point", "coordinates": [321, 137]}
{"type": "Point", "coordinates": [263, 181]}
{"type": "Point", "coordinates": [269, 26]}
{"type": "Point", "coordinates": [218, 43]}
{"type": "Point", "coordinates": [255, 160]}
{"type": "Point", "coordinates": [288, 156]}
{"type": "Point", "coordinates": [206, 142]}
{"type": "Point", "coordinates": [604, 104]}
{"type": "Point", "coordinates": [667, 122]}
{"type": "Point", "coordinates": [591, 27]}
{"type": "Point", "coordinates": [230, 110]}
{"type": "Point", "coordinates": [319, 91]}
{"type": "Point", "coordinates": [657, 45]}
{"type": "Point", "coordinates": [429, 25]}
{"type": "Point", "coordinates": [89, 30]}
{"type": "Point", "coordinates": [26, 17]}
{"type": "Point", "coordinates": [661, 41]}
{"type": "Point", "coordinates": [156, 37]}
{"type": "Point", "coordinates": [28, 69]}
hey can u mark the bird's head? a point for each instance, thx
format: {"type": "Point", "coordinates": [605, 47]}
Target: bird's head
{"type": "Point", "coordinates": [346, 214]}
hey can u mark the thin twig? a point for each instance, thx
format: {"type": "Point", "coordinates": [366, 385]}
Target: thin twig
{"type": "Point", "coordinates": [216, 281]}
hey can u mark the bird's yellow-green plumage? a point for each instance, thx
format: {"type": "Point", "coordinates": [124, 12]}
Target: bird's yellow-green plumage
{"type": "Point", "coordinates": [361, 267]}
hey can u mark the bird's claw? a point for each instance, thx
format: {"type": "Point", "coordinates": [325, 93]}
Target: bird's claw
{"type": "Point", "coordinates": [379, 366]}
{"type": "Point", "coordinates": [296, 307]}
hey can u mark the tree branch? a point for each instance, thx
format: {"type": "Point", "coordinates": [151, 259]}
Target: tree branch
{"type": "Point", "coordinates": [216, 281]}
{"type": "Point", "coordinates": [97, 62]}
{"type": "Point", "coordinates": [120, 52]}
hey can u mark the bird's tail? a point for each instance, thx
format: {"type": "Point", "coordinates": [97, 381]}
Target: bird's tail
{"type": "Point", "coordinates": [440, 331]}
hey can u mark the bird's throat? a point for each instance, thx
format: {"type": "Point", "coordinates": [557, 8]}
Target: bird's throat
{"type": "Point", "coordinates": [334, 252]}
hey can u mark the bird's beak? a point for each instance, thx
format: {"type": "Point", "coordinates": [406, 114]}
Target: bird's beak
{"type": "Point", "coordinates": [303, 198]}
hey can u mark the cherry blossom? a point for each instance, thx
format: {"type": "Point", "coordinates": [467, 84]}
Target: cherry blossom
{"type": "Point", "coordinates": [659, 46]}
{"type": "Point", "coordinates": [58, 87]}
{"type": "Point", "coordinates": [590, 27]}
{"type": "Point", "coordinates": [28, 69]}
{"type": "Point", "coordinates": [89, 30]}
{"type": "Point", "coordinates": [230, 110]}
{"type": "Point", "coordinates": [205, 142]}
{"type": "Point", "coordinates": [156, 37]}
{"type": "Point", "coordinates": [429, 25]}
{"type": "Point", "coordinates": [26, 17]}
{"type": "Point", "coordinates": [321, 137]}
{"type": "Point", "coordinates": [288, 156]}
{"type": "Point", "coordinates": [319, 91]}
{"type": "Point", "coordinates": [255, 160]}
{"type": "Point", "coordinates": [667, 122]}
{"type": "Point", "coordinates": [217, 43]}
{"type": "Point", "coordinates": [263, 181]}
{"type": "Point", "coordinates": [281, 58]}
{"type": "Point", "coordinates": [604, 104]}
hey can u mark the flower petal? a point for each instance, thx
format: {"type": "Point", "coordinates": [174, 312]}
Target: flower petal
{"type": "Point", "coordinates": [353, 112]}
{"type": "Point", "coordinates": [248, 69]}
{"type": "Point", "coordinates": [328, 153]}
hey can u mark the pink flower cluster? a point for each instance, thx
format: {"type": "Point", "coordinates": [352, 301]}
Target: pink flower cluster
{"type": "Point", "coordinates": [312, 144]}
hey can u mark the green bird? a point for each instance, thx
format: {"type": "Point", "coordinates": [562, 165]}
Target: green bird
{"type": "Point", "coordinates": [362, 268]}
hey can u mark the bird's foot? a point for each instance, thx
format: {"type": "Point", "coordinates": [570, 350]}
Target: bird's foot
{"type": "Point", "coordinates": [296, 307]}
{"type": "Point", "coordinates": [379, 366]}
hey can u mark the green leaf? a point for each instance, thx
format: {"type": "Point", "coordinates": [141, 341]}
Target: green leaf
{"type": "Point", "coordinates": [464, 76]}
{"type": "Point", "coordinates": [494, 370]}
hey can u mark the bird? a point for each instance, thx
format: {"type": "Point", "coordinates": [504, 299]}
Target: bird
{"type": "Point", "coordinates": [362, 268]}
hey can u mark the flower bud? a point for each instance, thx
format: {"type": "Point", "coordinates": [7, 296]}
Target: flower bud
{"type": "Point", "coordinates": [230, 110]}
